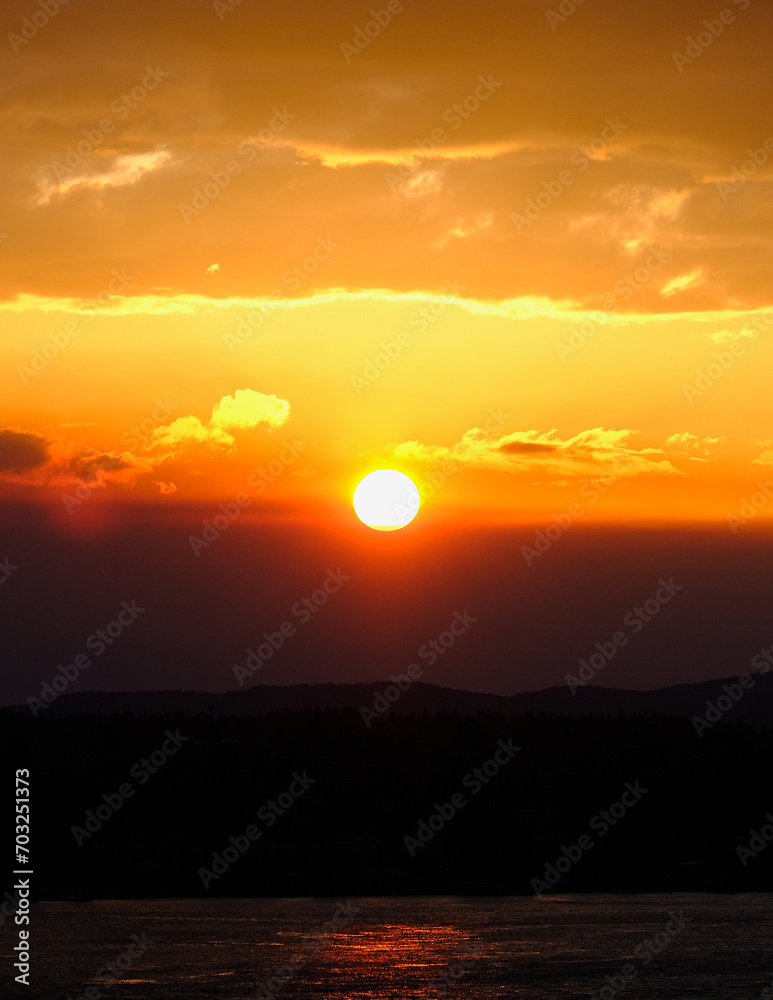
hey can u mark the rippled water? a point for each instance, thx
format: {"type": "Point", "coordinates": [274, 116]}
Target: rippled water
{"type": "Point", "coordinates": [563, 946]}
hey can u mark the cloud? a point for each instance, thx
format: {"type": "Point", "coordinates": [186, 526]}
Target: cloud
{"type": "Point", "coordinates": [521, 447]}
{"type": "Point", "coordinates": [766, 458]}
{"type": "Point", "coordinates": [697, 448]}
{"type": "Point", "coordinates": [244, 410]}
{"type": "Point", "coordinates": [21, 451]}
{"type": "Point", "coordinates": [247, 408]}
{"type": "Point", "coordinates": [728, 336]}
{"type": "Point", "coordinates": [420, 183]}
{"type": "Point", "coordinates": [641, 214]}
{"type": "Point", "coordinates": [124, 170]}
{"type": "Point", "coordinates": [337, 156]}
{"type": "Point", "coordinates": [188, 431]}
{"type": "Point", "coordinates": [523, 307]}
{"type": "Point", "coordinates": [72, 423]}
{"type": "Point", "coordinates": [464, 228]}
{"type": "Point", "coordinates": [352, 122]}
{"type": "Point", "coordinates": [591, 452]}
{"type": "Point", "coordinates": [30, 459]}
{"type": "Point", "coordinates": [683, 282]}
{"type": "Point", "coordinates": [571, 310]}
{"type": "Point", "coordinates": [94, 467]}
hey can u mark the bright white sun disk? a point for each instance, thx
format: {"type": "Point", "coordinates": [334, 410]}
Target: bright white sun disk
{"type": "Point", "coordinates": [386, 500]}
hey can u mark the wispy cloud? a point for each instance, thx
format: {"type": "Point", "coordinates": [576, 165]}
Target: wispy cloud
{"type": "Point", "coordinates": [124, 170]}
{"type": "Point", "coordinates": [683, 282]}
{"type": "Point", "coordinates": [590, 452]}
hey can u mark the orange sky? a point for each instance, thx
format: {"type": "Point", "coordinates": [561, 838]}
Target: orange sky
{"type": "Point", "coordinates": [524, 259]}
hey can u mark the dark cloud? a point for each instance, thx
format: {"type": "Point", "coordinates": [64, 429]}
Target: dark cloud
{"type": "Point", "coordinates": [91, 466]}
{"type": "Point", "coordinates": [21, 451]}
{"type": "Point", "coordinates": [526, 448]}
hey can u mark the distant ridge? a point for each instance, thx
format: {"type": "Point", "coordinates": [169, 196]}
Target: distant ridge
{"type": "Point", "coordinates": [684, 700]}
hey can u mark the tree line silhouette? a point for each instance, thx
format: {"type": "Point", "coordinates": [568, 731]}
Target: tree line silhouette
{"type": "Point", "coordinates": [128, 805]}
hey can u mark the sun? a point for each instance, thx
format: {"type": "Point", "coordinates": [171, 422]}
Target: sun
{"type": "Point", "coordinates": [386, 500]}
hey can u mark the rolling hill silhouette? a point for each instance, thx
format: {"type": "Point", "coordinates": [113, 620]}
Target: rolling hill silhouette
{"type": "Point", "coordinates": [755, 705]}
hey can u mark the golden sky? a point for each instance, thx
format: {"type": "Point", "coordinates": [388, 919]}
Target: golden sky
{"type": "Point", "coordinates": [521, 253]}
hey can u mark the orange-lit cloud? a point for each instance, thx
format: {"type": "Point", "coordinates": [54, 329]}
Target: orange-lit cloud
{"type": "Point", "coordinates": [409, 157]}
{"type": "Point", "coordinates": [165, 489]}
{"type": "Point", "coordinates": [698, 449]}
{"type": "Point", "coordinates": [728, 336]}
{"type": "Point", "coordinates": [31, 459]}
{"type": "Point", "coordinates": [124, 170]}
{"type": "Point", "coordinates": [682, 282]}
{"type": "Point", "coordinates": [245, 409]}
{"type": "Point", "coordinates": [591, 452]}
